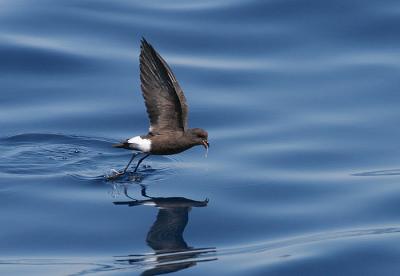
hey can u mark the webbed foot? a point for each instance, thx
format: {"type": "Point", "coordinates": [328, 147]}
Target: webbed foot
{"type": "Point", "coordinates": [115, 174]}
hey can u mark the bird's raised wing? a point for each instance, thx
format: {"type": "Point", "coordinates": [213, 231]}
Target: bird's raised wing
{"type": "Point", "coordinates": [164, 99]}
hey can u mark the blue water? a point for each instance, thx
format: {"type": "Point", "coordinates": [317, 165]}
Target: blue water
{"type": "Point", "coordinates": [300, 99]}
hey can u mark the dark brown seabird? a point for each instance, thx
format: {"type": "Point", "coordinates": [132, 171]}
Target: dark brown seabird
{"type": "Point", "coordinates": [167, 110]}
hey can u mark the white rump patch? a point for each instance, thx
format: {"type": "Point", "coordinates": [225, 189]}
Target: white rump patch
{"type": "Point", "coordinates": [140, 143]}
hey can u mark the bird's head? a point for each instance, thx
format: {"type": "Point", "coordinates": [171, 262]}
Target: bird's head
{"type": "Point", "coordinates": [200, 136]}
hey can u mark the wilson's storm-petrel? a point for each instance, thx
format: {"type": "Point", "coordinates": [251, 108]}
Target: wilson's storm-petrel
{"type": "Point", "coordinates": [167, 110]}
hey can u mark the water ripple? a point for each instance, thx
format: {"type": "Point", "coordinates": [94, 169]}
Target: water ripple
{"type": "Point", "coordinates": [311, 239]}
{"type": "Point", "coordinates": [184, 6]}
{"type": "Point", "coordinates": [392, 172]}
{"type": "Point", "coordinates": [174, 261]}
{"type": "Point", "coordinates": [85, 158]}
{"type": "Point", "coordinates": [300, 99]}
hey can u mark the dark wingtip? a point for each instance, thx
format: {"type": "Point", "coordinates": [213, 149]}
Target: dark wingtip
{"type": "Point", "coordinates": [146, 47]}
{"type": "Point", "coordinates": [144, 44]}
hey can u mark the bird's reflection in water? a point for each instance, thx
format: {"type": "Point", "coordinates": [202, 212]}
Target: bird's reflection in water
{"type": "Point", "coordinates": [165, 236]}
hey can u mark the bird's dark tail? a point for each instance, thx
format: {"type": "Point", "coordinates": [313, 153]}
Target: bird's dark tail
{"type": "Point", "coordinates": [122, 145]}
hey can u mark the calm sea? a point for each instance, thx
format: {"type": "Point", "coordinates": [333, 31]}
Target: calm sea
{"type": "Point", "coordinates": [301, 102]}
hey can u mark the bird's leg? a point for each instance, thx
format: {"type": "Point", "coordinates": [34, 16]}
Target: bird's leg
{"type": "Point", "coordinates": [118, 174]}
{"type": "Point", "coordinates": [143, 191]}
{"type": "Point", "coordinates": [141, 160]}
{"type": "Point", "coordinates": [130, 161]}
{"type": "Point", "coordinates": [126, 193]}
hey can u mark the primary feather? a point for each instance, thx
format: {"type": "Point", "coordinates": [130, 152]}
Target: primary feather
{"type": "Point", "coordinates": [164, 99]}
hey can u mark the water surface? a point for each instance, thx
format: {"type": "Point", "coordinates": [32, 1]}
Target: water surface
{"type": "Point", "coordinates": [300, 99]}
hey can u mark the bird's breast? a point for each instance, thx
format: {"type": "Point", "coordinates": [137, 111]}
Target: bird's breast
{"type": "Point", "coordinates": [164, 145]}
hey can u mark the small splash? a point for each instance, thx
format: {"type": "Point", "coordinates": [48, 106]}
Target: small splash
{"type": "Point", "coordinates": [113, 174]}
{"type": "Point", "coordinates": [128, 176]}
{"type": "Point", "coordinates": [146, 172]}
{"type": "Point", "coordinates": [116, 191]}
{"type": "Point", "coordinates": [136, 177]}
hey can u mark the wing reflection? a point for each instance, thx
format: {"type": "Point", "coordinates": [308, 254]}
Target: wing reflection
{"type": "Point", "coordinates": [165, 237]}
